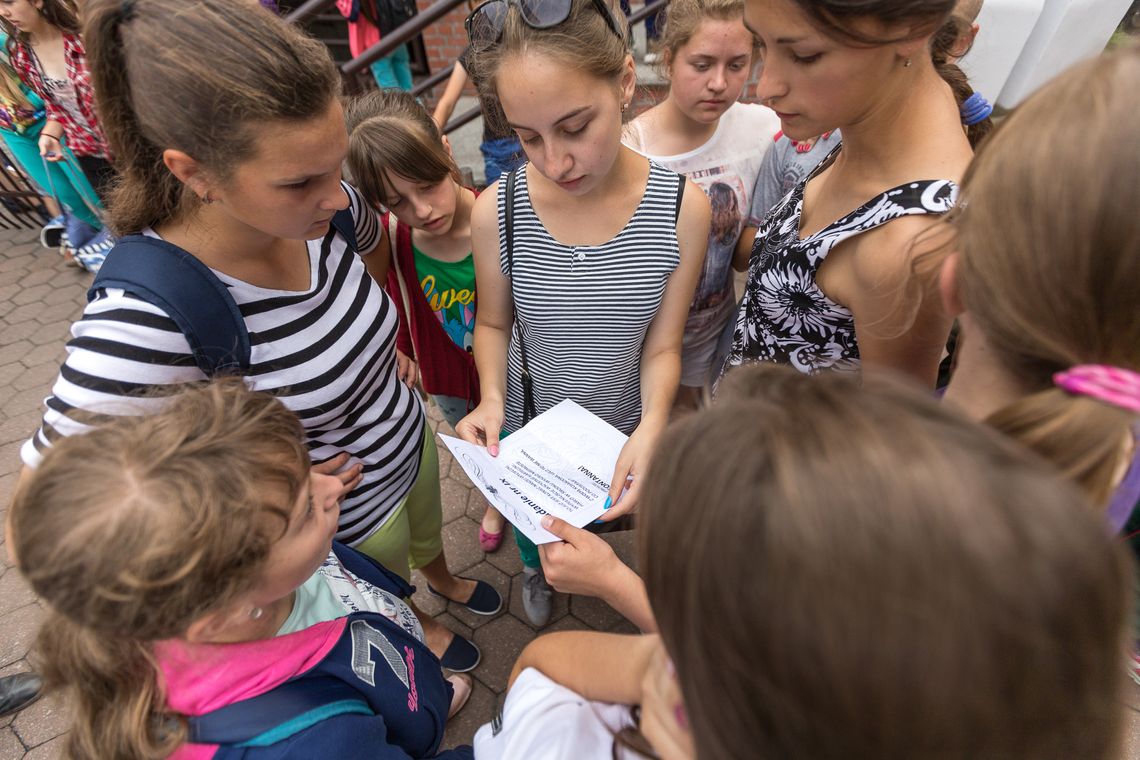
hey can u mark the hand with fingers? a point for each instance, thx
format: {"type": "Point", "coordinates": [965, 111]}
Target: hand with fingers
{"type": "Point", "coordinates": [483, 426]}
{"type": "Point", "coordinates": [407, 369]}
{"type": "Point", "coordinates": [632, 464]}
{"type": "Point", "coordinates": [349, 477]}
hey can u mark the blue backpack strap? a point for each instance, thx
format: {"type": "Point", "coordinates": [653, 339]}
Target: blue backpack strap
{"type": "Point", "coordinates": [343, 223]}
{"type": "Point", "coordinates": [366, 568]}
{"type": "Point", "coordinates": [277, 714]}
{"type": "Point", "coordinates": [182, 286]}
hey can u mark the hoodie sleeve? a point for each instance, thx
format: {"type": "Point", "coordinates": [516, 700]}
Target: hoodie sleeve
{"type": "Point", "coordinates": [356, 736]}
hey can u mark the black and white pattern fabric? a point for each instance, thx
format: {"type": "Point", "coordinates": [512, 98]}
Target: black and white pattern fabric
{"type": "Point", "coordinates": [328, 353]}
{"type": "Point", "coordinates": [584, 310]}
{"type": "Point", "coordinates": [784, 316]}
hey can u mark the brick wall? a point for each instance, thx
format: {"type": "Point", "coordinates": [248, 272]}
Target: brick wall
{"type": "Point", "coordinates": [444, 41]}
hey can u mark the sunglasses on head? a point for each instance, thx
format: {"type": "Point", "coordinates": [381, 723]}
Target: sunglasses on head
{"type": "Point", "coordinates": [485, 24]}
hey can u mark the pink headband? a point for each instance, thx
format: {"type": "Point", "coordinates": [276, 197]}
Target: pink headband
{"type": "Point", "coordinates": [1112, 385]}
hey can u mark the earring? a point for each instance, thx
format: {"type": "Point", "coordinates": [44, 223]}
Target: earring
{"type": "Point", "coordinates": [206, 199]}
{"type": "Point", "coordinates": [624, 106]}
{"type": "Point", "coordinates": [906, 64]}
{"type": "Point", "coordinates": [256, 613]}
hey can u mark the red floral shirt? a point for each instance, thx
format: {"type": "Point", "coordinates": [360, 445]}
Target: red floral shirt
{"type": "Point", "coordinates": [84, 139]}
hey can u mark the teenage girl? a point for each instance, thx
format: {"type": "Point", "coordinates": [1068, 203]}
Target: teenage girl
{"type": "Point", "coordinates": [48, 54]}
{"type": "Point", "coordinates": [591, 285]}
{"type": "Point", "coordinates": [1044, 276]}
{"type": "Point", "coordinates": [400, 162]}
{"type": "Point", "coordinates": [189, 564]}
{"type": "Point", "coordinates": [880, 578]}
{"type": "Point", "coordinates": [701, 131]}
{"type": "Point", "coordinates": [830, 280]}
{"type": "Point", "coordinates": [252, 198]}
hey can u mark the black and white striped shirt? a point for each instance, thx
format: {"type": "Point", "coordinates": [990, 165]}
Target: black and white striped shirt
{"type": "Point", "coordinates": [328, 353]}
{"type": "Point", "coordinates": [584, 310]}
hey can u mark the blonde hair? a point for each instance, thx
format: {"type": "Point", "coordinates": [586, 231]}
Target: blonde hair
{"type": "Point", "coordinates": [389, 132]}
{"type": "Point", "coordinates": [584, 42]}
{"type": "Point", "coordinates": [684, 17]}
{"type": "Point", "coordinates": [135, 530]}
{"type": "Point", "coordinates": [1049, 269]}
{"type": "Point", "coordinates": [843, 572]}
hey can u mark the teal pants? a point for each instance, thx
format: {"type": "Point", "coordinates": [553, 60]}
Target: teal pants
{"type": "Point", "coordinates": [71, 187]}
{"type": "Point", "coordinates": [394, 71]}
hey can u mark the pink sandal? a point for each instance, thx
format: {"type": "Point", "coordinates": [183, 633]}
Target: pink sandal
{"type": "Point", "coordinates": [490, 542]}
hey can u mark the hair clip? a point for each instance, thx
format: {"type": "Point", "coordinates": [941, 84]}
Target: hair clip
{"type": "Point", "coordinates": [975, 109]}
{"type": "Point", "coordinates": [1116, 386]}
{"type": "Point", "coordinates": [126, 11]}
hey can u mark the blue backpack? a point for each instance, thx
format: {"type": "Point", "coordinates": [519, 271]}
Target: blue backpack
{"type": "Point", "coordinates": [182, 286]}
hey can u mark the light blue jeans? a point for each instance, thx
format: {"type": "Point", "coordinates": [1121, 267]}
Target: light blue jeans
{"type": "Point", "coordinates": [394, 71]}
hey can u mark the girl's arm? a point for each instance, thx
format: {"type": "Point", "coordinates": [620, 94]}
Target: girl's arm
{"type": "Point", "coordinates": [743, 250]}
{"type": "Point", "coordinates": [603, 667]}
{"type": "Point", "coordinates": [493, 321]}
{"type": "Point", "coordinates": [379, 259]}
{"type": "Point", "coordinates": [447, 101]}
{"type": "Point", "coordinates": [661, 353]}
{"type": "Point", "coordinates": [900, 324]}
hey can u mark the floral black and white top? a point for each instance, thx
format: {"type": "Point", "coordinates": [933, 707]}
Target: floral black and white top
{"type": "Point", "coordinates": [784, 316]}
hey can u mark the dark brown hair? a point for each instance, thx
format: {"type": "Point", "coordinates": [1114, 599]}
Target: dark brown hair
{"type": "Point", "coordinates": [837, 19]}
{"type": "Point", "coordinates": [133, 531]}
{"type": "Point", "coordinates": [389, 132]}
{"type": "Point", "coordinates": [1049, 269]}
{"type": "Point", "coordinates": [201, 79]}
{"type": "Point", "coordinates": [846, 572]}
{"type": "Point", "coordinates": [62, 14]}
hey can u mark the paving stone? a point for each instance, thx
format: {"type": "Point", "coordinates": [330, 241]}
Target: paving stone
{"type": "Point", "coordinates": [39, 277]}
{"type": "Point", "coordinates": [49, 751]}
{"type": "Point", "coordinates": [461, 542]}
{"type": "Point", "coordinates": [19, 331]}
{"type": "Point", "coordinates": [9, 290]}
{"type": "Point", "coordinates": [476, 504]}
{"type": "Point", "coordinates": [43, 721]}
{"type": "Point", "coordinates": [428, 603]}
{"type": "Point", "coordinates": [480, 709]}
{"type": "Point", "coordinates": [60, 312]}
{"type": "Point", "coordinates": [15, 352]}
{"type": "Point", "coordinates": [69, 293]}
{"type": "Point", "coordinates": [454, 497]}
{"type": "Point", "coordinates": [560, 604]}
{"type": "Point", "coordinates": [507, 557]}
{"type": "Point", "coordinates": [14, 592]}
{"type": "Point", "coordinates": [18, 630]}
{"type": "Point", "coordinates": [33, 293]}
{"type": "Point", "coordinates": [487, 572]}
{"type": "Point", "coordinates": [10, 746]}
{"type": "Point", "coordinates": [446, 460]}
{"type": "Point", "coordinates": [49, 353]}
{"type": "Point", "coordinates": [459, 475]}
{"type": "Point", "coordinates": [20, 426]}
{"type": "Point", "coordinates": [41, 377]}
{"type": "Point", "coordinates": [9, 372]}
{"type": "Point", "coordinates": [501, 640]}
{"type": "Point", "coordinates": [624, 626]}
{"type": "Point", "coordinates": [23, 313]}
{"type": "Point", "coordinates": [594, 612]}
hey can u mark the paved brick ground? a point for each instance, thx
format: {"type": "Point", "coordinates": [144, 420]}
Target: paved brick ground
{"type": "Point", "coordinates": [39, 298]}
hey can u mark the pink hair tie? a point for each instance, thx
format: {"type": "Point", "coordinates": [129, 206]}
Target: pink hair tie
{"type": "Point", "coordinates": [1112, 385]}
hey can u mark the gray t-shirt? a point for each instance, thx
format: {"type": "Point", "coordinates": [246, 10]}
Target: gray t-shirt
{"type": "Point", "coordinates": [783, 168]}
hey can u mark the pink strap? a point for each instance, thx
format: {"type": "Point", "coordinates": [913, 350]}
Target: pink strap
{"type": "Point", "coordinates": [1112, 385]}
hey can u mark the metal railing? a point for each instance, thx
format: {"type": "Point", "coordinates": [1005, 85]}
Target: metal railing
{"type": "Point", "coordinates": [390, 42]}
{"type": "Point", "coordinates": [21, 207]}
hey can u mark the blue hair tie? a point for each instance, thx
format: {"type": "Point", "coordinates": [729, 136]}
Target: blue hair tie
{"type": "Point", "coordinates": [975, 109]}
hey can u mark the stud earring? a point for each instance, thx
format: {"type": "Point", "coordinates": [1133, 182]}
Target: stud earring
{"type": "Point", "coordinates": [624, 106]}
{"type": "Point", "coordinates": [906, 64]}
{"type": "Point", "coordinates": [206, 199]}
{"type": "Point", "coordinates": [256, 613]}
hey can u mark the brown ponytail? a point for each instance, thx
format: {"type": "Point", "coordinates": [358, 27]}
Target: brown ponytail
{"type": "Point", "coordinates": [1048, 240]}
{"type": "Point", "coordinates": [208, 79]}
{"type": "Point", "coordinates": [135, 530]}
{"type": "Point", "coordinates": [945, 50]}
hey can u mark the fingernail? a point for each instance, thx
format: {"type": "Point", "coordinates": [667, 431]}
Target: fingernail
{"type": "Point", "coordinates": [494, 450]}
{"type": "Point", "coordinates": [598, 522]}
{"type": "Point", "coordinates": [547, 521]}
{"type": "Point", "coordinates": [609, 503]}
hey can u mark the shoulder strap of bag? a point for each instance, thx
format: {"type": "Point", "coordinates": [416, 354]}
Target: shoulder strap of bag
{"type": "Point", "coordinates": [278, 714]}
{"type": "Point", "coordinates": [393, 227]}
{"type": "Point", "coordinates": [680, 195]}
{"type": "Point", "coordinates": [508, 222]}
{"type": "Point", "coordinates": [178, 283]}
{"type": "Point", "coordinates": [343, 223]}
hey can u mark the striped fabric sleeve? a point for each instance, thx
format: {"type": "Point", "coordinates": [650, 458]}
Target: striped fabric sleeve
{"type": "Point", "coordinates": [123, 357]}
{"type": "Point", "coordinates": [367, 221]}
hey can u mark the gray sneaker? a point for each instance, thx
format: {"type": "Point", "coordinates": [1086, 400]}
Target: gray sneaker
{"type": "Point", "coordinates": [536, 596]}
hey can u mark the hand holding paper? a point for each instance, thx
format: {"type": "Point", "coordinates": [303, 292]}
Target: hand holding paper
{"type": "Point", "coordinates": [557, 464]}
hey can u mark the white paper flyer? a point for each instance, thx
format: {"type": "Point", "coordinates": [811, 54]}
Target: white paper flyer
{"type": "Point", "coordinates": [560, 463]}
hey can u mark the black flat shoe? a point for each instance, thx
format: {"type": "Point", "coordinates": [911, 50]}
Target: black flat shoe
{"type": "Point", "coordinates": [19, 691]}
{"type": "Point", "coordinates": [461, 655]}
{"type": "Point", "coordinates": [485, 600]}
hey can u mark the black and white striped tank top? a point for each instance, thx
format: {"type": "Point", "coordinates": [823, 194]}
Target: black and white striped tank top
{"type": "Point", "coordinates": [584, 310]}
